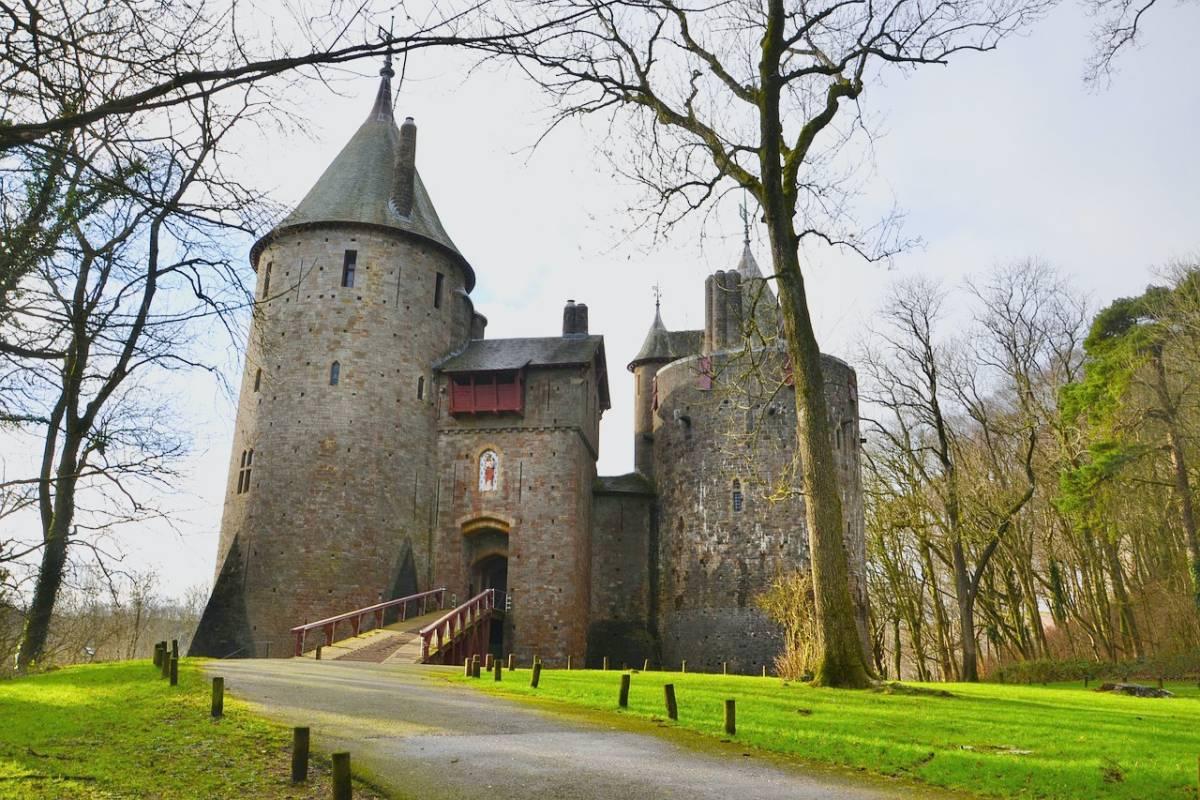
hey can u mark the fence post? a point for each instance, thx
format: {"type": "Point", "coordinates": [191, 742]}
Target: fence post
{"type": "Point", "coordinates": [623, 698]}
{"type": "Point", "coordinates": [512, 664]}
{"type": "Point", "coordinates": [341, 776]}
{"type": "Point", "coordinates": [730, 718]}
{"type": "Point", "coordinates": [568, 663]}
{"type": "Point", "coordinates": [174, 672]}
{"type": "Point", "coordinates": [174, 648]}
{"type": "Point", "coordinates": [299, 755]}
{"type": "Point", "coordinates": [218, 697]}
{"type": "Point", "coordinates": [318, 652]}
{"type": "Point", "coordinates": [165, 666]}
{"type": "Point", "coordinates": [683, 666]}
{"type": "Point", "coordinates": [646, 665]}
{"type": "Point", "coordinates": [669, 696]}
{"type": "Point", "coordinates": [496, 671]}
{"type": "Point", "coordinates": [606, 663]}
{"type": "Point", "coordinates": [467, 668]}
{"type": "Point", "coordinates": [537, 674]}
{"type": "Point", "coordinates": [724, 667]}
{"type": "Point", "coordinates": [157, 655]}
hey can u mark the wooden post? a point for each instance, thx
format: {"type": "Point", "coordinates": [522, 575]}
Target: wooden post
{"type": "Point", "coordinates": [724, 667]}
{"type": "Point", "coordinates": [299, 755]}
{"type": "Point", "coordinates": [568, 663]}
{"type": "Point", "coordinates": [474, 666]}
{"type": "Point", "coordinates": [537, 674]}
{"type": "Point", "coordinates": [341, 777]}
{"type": "Point", "coordinates": [467, 668]}
{"type": "Point", "coordinates": [487, 662]}
{"type": "Point", "coordinates": [218, 697]}
{"type": "Point", "coordinates": [764, 670]}
{"type": "Point", "coordinates": [496, 671]}
{"type": "Point", "coordinates": [165, 670]}
{"type": "Point", "coordinates": [669, 696]}
{"type": "Point", "coordinates": [623, 698]}
{"type": "Point", "coordinates": [158, 655]}
{"type": "Point", "coordinates": [174, 648]}
{"type": "Point", "coordinates": [730, 718]}
{"type": "Point", "coordinates": [512, 662]}
{"type": "Point", "coordinates": [318, 652]}
{"type": "Point", "coordinates": [646, 665]}
{"type": "Point", "coordinates": [605, 664]}
{"type": "Point", "coordinates": [683, 666]}
{"type": "Point", "coordinates": [1160, 681]}
{"type": "Point", "coordinates": [174, 670]}
{"type": "Point", "coordinates": [1086, 678]}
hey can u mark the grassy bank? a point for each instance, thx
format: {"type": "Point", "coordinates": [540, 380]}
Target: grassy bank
{"type": "Point", "coordinates": [1057, 741]}
{"type": "Point", "coordinates": [117, 731]}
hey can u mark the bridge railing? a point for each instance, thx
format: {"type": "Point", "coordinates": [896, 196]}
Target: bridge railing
{"type": "Point", "coordinates": [444, 631]}
{"type": "Point", "coordinates": [356, 617]}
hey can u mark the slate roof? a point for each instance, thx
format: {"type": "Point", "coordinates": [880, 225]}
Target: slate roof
{"type": "Point", "coordinates": [356, 187]}
{"type": "Point", "coordinates": [486, 355]}
{"type": "Point", "coordinates": [629, 483]}
{"type": "Point", "coordinates": [664, 345]}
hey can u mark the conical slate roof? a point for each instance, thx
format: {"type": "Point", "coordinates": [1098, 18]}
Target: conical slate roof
{"type": "Point", "coordinates": [356, 188]}
{"type": "Point", "coordinates": [664, 345]}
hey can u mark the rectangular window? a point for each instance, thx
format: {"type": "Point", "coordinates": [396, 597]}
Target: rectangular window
{"type": "Point", "coordinates": [267, 280]}
{"type": "Point", "coordinates": [438, 287]}
{"type": "Point", "coordinates": [349, 264]}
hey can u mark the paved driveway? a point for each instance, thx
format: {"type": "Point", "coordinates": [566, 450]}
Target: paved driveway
{"type": "Point", "coordinates": [429, 740]}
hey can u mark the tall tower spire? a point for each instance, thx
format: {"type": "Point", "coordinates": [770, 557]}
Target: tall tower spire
{"type": "Point", "coordinates": [382, 110]}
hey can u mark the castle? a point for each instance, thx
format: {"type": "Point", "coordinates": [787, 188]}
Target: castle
{"type": "Point", "coordinates": [384, 446]}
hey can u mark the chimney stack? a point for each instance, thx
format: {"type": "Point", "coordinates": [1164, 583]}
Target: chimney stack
{"type": "Point", "coordinates": [404, 182]}
{"type": "Point", "coordinates": [575, 319]}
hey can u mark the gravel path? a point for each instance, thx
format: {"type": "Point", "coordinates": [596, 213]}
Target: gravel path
{"type": "Point", "coordinates": [429, 740]}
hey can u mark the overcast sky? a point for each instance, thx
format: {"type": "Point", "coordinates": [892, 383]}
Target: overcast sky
{"type": "Point", "coordinates": [995, 158]}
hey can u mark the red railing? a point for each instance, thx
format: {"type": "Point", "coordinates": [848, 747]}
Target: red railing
{"type": "Point", "coordinates": [329, 626]}
{"type": "Point", "coordinates": [450, 628]}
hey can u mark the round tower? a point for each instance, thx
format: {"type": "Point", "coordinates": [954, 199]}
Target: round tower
{"type": "Point", "coordinates": [330, 495]}
{"type": "Point", "coordinates": [730, 490]}
{"type": "Point", "coordinates": [656, 351]}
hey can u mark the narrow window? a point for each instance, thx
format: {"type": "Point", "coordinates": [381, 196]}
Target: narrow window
{"type": "Point", "coordinates": [438, 286]}
{"type": "Point", "coordinates": [349, 264]}
{"type": "Point", "coordinates": [421, 388]}
{"type": "Point", "coordinates": [243, 482]}
{"type": "Point", "coordinates": [335, 373]}
{"type": "Point", "coordinates": [737, 496]}
{"type": "Point", "coordinates": [267, 280]}
{"type": "Point", "coordinates": [257, 379]}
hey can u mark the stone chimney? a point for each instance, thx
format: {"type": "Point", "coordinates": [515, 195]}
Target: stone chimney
{"type": "Point", "coordinates": [575, 319]}
{"type": "Point", "coordinates": [404, 181]}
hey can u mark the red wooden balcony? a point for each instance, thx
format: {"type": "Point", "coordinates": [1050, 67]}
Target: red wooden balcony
{"type": "Point", "coordinates": [487, 392]}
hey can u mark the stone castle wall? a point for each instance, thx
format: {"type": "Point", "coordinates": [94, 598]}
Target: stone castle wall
{"type": "Point", "coordinates": [544, 499]}
{"type": "Point", "coordinates": [624, 572]}
{"type": "Point", "coordinates": [714, 557]}
{"type": "Point", "coordinates": [338, 508]}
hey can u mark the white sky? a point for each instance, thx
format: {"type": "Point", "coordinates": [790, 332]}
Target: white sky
{"type": "Point", "coordinates": [995, 158]}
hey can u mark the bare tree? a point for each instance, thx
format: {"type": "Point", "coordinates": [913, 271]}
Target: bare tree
{"type": "Point", "coordinates": [1118, 28]}
{"type": "Point", "coordinates": [759, 95]}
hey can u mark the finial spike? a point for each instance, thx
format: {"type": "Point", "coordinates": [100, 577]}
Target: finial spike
{"type": "Point", "coordinates": [657, 297]}
{"type": "Point", "coordinates": [745, 224]}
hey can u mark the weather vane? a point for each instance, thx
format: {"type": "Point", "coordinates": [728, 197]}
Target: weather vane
{"type": "Point", "coordinates": [745, 212]}
{"type": "Point", "coordinates": [657, 296]}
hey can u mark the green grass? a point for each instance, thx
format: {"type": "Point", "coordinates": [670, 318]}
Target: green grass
{"type": "Point", "coordinates": [119, 731]}
{"type": "Point", "coordinates": [1058, 741]}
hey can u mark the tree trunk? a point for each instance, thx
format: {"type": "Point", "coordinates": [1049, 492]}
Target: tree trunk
{"type": "Point", "coordinates": [965, 594]}
{"type": "Point", "coordinates": [840, 659]}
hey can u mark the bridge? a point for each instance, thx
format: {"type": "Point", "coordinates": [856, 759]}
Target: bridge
{"type": "Point", "coordinates": [413, 629]}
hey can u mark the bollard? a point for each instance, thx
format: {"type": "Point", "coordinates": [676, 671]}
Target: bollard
{"type": "Point", "coordinates": [605, 664]}
{"type": "Point", "coordinates": [537, 674]}
{"type": "Point", "coordinates": [1160, 681]}
{"type": "Point", "coordinates": [467, 668]}
{"type": "Point", "coordinates": [764, 670]}
{"type": "Point", "coordinates": [299, 755]}
{"type": "Point", "coordinates": [496, 669]}
{"type": "Point", "coordinates": [568, 663]}
{"type": "Point", "coordinates": [158, 655]}
{"type": "Point", "coordinates": [174, 670]}
{"type": "Point", "coordinates": [1086, 678]}
{"type": "Point", "coordinates": [218, 697]}
{"type": "Point", "coordinates": [669, 696]}
{"type": "Point", "coordinates": [174, 648]}
{"type": "Point", "coordinates": [646, 665]}
{"type": "Point", "coordinates": [623, 698]}
{"type": "Point", "coordinates": [512, 663]}
{"type": "Point", "coordinates": [318, 652]}
{"type": "Point", "coordinates": [165, 670]}
{"type": "Point", "coordinates": [341, 776]}
{"type": "Point", "coordinates": [683, 666]}
{"type": "Point", "coordinates": [724, 667]}
{"type": "Point", "coordinates": [475, 667]}
{"type": "Point", "coordinates": [730, 718]}
{"type": "Point", "coordinates": [487, 663]}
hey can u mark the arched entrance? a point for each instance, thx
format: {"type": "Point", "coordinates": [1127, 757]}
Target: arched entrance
{"type": "Point", "coordinates": [490, 572]}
